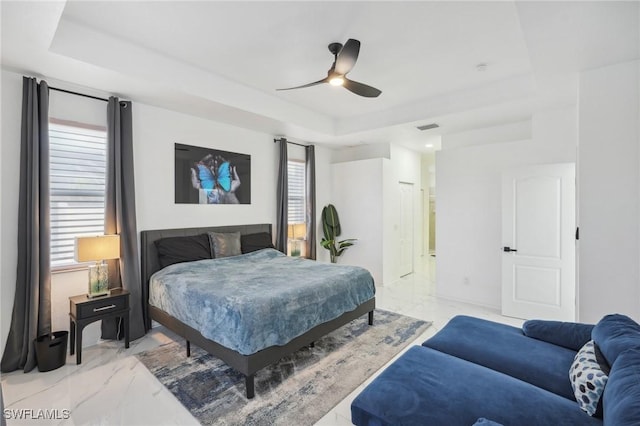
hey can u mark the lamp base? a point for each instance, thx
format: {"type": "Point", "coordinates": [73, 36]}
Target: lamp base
{"type": "Point", "coordinates": [295, 248]}
{"type": "Point", "coordinates": [98, 280]}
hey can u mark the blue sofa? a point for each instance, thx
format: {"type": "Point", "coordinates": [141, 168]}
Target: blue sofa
{"type": "Point", "coordinates": [479, 372]}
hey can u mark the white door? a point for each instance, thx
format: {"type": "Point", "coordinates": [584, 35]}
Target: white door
{"type": "Point", "coordinates": [538, 239]}
{"type": "Point", "coordinates": [406, 228]}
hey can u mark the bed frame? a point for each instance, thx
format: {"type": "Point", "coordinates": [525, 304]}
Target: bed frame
{"type": "Point", "coordinates": [245, 364]}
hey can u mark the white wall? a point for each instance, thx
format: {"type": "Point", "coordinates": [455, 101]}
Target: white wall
{"type": "Point", "coordinates": [389, 228]}
{"type": "Point", "coordinates": [10, 172]}
{"type": "Point", "coordinates": [324, 176]}
{"type": "Point", "coordinates": [357, 196]}
{"type": "Point", "coordinates": [65, 106]}
{"type": "Point", "coordinates": [362, 152]}
{"type": "Point", "coordinates": [468, 227]}
{"type": "Point", "coordinates": [609, 192]}
{"type": "Point", "coordinates": [367, 195]}
{"type": "Point", "coordinates": [155, 132]}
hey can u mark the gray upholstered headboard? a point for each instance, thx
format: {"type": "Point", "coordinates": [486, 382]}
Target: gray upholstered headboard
{"type": "Point", "coordinates": [149, 263]}
{"type": "Point", "coordinates": [149, 255]}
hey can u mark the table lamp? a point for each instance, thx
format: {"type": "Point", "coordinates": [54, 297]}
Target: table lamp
{"type": "Point", "coordinates": [296, 232]}
{"type": "Point", "coordinates": [98, 248]}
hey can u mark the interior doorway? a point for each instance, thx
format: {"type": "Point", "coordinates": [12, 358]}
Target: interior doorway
{"type": "Point", "coordinates": [429, 215]}
{"type": "Point", "coordinates": [538, 236]}
{"type": "Point", "coordinates": [406, 228]}
{"type": "Point", "coordinates": [426, 262]}
{"type": "Point", "coordinates": [432, 224]}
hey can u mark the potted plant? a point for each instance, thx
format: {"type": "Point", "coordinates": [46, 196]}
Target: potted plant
{"type": "Point", "coordinates": [332, 230]}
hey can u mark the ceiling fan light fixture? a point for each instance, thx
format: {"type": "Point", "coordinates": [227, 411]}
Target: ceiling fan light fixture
{"type": "Point", "coordinates": [345, 58]}
{"type": "Point", "coordinates": [336, 81]}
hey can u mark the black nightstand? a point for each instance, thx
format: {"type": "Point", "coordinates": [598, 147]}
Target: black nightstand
{"type": "Point", "coordinates": [84, 311]}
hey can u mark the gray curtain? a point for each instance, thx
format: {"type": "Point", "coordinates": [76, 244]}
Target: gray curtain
{"type": "Point", "coordinates": [31, 315]}
{"type": "Point", "coordinates": [3, 421]}
{"type": "Point", "coordinates": [283, 198]}
{"type": "Point", "coordinates": [120, 218]}
{"type": "Point", "coordinates": [310, 208]}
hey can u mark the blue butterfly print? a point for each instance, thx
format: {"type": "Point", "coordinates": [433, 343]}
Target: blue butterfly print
{"type": "Point", "coordinates": [223, 176]}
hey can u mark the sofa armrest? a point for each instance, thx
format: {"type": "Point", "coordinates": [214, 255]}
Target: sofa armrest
{"type": "Point", "coordinates": [570, 335]}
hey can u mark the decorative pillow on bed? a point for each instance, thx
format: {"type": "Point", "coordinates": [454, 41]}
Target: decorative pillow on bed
{"type": "Point", "coordinates": [225, 244]}
{"type": "Point", "coordinates": [255, 242]}
{"type": "Point", "coordinates": [588, 375]}
{"type": "Point", "coordinates": [183, 249]}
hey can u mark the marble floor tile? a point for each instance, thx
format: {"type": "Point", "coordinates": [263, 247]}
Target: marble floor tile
{"type": "Point", "coordinates": [112, 387]}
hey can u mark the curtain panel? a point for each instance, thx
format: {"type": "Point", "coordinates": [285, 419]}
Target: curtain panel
{"type": "Point", "coordinates": [282, 216]}
{"type": "Point", "coordinates": [310, 208]}
{"type": "Point", "coordinates": [31, 315]}
{"type": "Point", "coordinates": [120, 218]}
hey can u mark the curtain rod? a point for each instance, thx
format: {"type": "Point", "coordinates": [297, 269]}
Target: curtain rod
{"type": "Point", "coordinates": [293, 143]}
{"type": "Point", "coordinates": [79, 94]}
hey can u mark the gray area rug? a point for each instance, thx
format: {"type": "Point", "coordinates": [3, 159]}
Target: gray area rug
{"type": "Point", "coordinates": [299, 390]}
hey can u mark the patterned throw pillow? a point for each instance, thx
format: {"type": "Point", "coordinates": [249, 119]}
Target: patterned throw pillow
{"type": "Point", "coordinates": [588, 379]}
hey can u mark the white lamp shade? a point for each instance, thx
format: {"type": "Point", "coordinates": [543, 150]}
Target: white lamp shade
{"type": "Point", "coordinates": [297, 231]}
{"type": "Point", "coordinates": [99, 247]}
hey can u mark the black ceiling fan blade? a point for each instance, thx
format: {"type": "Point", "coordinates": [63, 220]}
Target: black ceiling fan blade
{"type": "Point", "coordinates": [324, 80]}
{"type": "Point", "coordinates": [361, 89]}
{"type": "Point", "coordinates": [347, 56]}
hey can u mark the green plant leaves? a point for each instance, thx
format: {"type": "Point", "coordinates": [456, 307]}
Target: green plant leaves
{"type": "Point", "coordinates": [331, 228]}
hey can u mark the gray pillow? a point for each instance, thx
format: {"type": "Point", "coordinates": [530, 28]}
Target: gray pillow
{"type": "Point", "coordinates": [225, 244]}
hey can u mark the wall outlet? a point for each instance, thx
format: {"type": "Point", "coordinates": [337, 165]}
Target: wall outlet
{"type": "Point", "coordinates": [466, 281]}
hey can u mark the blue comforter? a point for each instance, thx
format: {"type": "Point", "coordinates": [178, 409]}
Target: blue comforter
{"type": "Point", "coordinates": [250, 302]}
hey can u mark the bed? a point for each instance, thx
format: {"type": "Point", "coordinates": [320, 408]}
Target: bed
{"type": "Point", "coordinates": [259, 347]}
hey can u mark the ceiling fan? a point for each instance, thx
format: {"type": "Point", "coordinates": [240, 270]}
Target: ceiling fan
{"type": "Point", "coordinates": [345, 58]}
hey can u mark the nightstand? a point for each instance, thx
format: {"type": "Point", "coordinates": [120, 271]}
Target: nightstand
{"type": "Point", "coordinates": [84, 310]}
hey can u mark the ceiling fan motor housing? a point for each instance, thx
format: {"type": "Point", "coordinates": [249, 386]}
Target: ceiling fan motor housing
{"type": "Point", "coordinates": [335, 48]}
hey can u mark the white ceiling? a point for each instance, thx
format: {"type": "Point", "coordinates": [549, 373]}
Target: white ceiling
{"type": "Point", "coordinates": [224, 60]}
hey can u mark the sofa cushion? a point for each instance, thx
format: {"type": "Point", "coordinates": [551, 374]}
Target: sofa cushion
{"type": "Point", "coordinates": [615, 334]}
{"type": "Point", "coordinates": [428, 387]}
{"type": "Point", "coordinates": [506, 349]}
{"type": "Point", "coordinates": [571, 335]}
{"type": "Point", "coordinates": [621, 399]}
{"type": "Point", "coordinates": [588, 379]}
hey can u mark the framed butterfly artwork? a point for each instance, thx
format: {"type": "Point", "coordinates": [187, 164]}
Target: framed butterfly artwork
{"type": "Point", "coordinates": [211, 176]}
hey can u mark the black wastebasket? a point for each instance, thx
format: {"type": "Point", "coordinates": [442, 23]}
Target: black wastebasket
{"type": "Point", "coordinates": [51, 350]}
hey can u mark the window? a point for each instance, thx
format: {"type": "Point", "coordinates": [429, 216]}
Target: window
{"type": "Point", "coordinates": [78, 161]}
{"type": "Point", "coordinates": [296, 171]}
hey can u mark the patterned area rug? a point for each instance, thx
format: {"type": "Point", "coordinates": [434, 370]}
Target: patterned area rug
{"type": "Point", "coordinates": [299, 390]}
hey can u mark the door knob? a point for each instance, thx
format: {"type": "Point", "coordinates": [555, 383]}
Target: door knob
{"type": "Point", "coordinates": [508, 249]}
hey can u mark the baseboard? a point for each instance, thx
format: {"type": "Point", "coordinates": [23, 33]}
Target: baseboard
{"type": "Point", "coordinates": [497, 308]}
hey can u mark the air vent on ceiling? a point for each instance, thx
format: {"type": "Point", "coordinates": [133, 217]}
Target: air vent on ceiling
{"type": "Point", "coordinates": [428, 126]}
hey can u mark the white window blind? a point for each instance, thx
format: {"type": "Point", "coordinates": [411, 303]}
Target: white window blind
{"type": "Point", "coordinates": [78, 160]}
{"type": "Point", "coordinates": [296, 173]}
